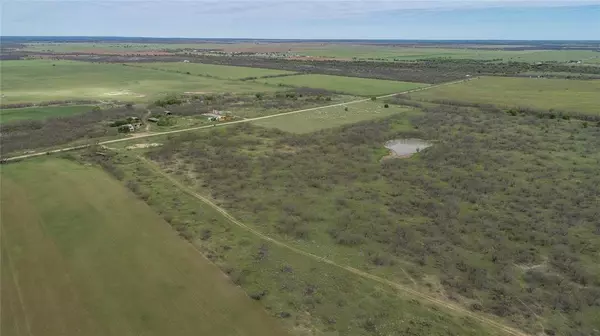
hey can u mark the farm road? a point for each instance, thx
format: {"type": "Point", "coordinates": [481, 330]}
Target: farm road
{"type": "Point", "coordinates": [407, 290]}
{"type": "Point", "coordinates": [148, 135]}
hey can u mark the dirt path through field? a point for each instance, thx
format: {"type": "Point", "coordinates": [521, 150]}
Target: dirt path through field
{"type": "Point", "coordinates": [147, 135]}
{"type": "Point", "coordinates": [407, 290]}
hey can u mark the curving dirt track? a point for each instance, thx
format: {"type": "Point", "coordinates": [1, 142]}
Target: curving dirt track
{"type": "Point", "coordinates": [508, 330]}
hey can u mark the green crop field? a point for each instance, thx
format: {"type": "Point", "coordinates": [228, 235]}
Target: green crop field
{"type": "Point", "coordinates": [333, 117]}
{"type": "Point", "coordinates": [559, 94]}
{"type": "Point", "coordinates": [40, 113]}
{"type": "Point", "coordinates": [44, 80]}
{"type": "Point", "coordinates": [81, 255]}
{"type": "Point", "coordinates": [217, 71]}
{"type": "Point", "coordinates": [349, 85]}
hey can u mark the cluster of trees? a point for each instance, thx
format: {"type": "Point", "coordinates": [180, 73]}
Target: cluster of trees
{"type": "Point", "coordinates": [35, 134]}
{"type": "Point", "coordinates": [169, 100]}
{"type": "Point", "coordinates": [405, 99]}
{"type": "Point", "coordinates": [291, 99]}
{"type": "Point", "coordinates": [503, 212]}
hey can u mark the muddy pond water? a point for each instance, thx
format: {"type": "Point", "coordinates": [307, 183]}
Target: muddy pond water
{"type": "Point", "coordinates": [406, 147]}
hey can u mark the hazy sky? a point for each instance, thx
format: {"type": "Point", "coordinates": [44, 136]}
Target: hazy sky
{"type": "Point", "coordinates": [376, 19]}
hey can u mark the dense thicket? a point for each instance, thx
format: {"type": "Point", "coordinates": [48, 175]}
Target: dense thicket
{"type": "Point", "coordinates": [291, 99]}
{"type": "Point", "coordinates": [34, 134]}
{"type": "Point", "coordinates": [405, 99]}
{"type": "Point", "coordinates": [502, 210]}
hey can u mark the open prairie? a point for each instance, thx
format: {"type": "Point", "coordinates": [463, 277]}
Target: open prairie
{"type": "Point", "coordinates": [40, 113]}
{"type": "Point", "coordinates": [350, 85]}
{"type": "Point", "coordinates": [81, 255]}
{"type": "Point", "coordinates": [47, 80]}
{"type": "Point", "coordinates": [419, 53]}
{"type": "Point", "coordinates": [558, 94]}
{"type": "Point", "coordinates": [217, 71]}
{"type": "Point", "coordinates": [334, 116]}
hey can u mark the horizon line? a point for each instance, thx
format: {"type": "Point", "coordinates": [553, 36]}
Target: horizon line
{"type": "Point", "coordinates": [290, 39]}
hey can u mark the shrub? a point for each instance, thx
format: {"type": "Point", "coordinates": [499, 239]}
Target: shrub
{"type": "Point", "coordinates": [118, 123]}
{"type": "Point", "coordinates": [169, 100]}
{"type": "Point", "coordinates": [166, 121]}
{"type": "Point", "coordinates": [124, 129]}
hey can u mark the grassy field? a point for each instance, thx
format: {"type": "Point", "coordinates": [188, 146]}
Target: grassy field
{"type": "Point", "coordinates": [332, 117]}
{"type": "Point", "coordinates": [81, 255]}
{"type": "Point", "coordinates": [558, 94]}
{"type": "Point", "coordinates": [592, 60]}
{"type": "Point", "coordinates": [350, 85]}
{"type": "Point", "coordinates": [40, 113]}
{"type": "Point", "coordinates": [217, 71]}
{"type": "Point", "coordinates": [407, 54]}
{"type": "Point", "coordinates": [44, 80]}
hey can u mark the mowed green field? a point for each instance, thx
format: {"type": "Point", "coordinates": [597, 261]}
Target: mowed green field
{"type": "Point", "coordinates": [40, 113]}
{"type": "Point", "coordinates": [217, 71]}
{"type": "Point", "coordinates": [81, 255]}
{"type": "Point", "coordinates": [44, 80]}
{"type": "Point", "coordinates": [335, 116]}
{"type": "Point", "coordinates": [559, 94]}
{"type": "Point", "coordinates": [350, 85]}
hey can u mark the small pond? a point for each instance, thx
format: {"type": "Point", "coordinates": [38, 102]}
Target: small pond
{"type": "Point", "coordinates": [406, 147]}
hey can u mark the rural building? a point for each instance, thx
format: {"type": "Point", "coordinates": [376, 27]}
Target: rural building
{"type": "Point", "coordinates": [167, 112]}
{"type": "Point", "coordinates": [153, 119]}
{"type": "Point", "coordinates": [186, 61]}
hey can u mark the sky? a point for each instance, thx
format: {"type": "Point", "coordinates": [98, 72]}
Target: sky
{"type": "Point", "coordinates": [307, 19]}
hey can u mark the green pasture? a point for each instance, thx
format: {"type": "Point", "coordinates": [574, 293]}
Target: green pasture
{"type": "Point", "coordinates": [560, 74]}
{"type": "Point", "coordinates": [593, 60]}
{"type": "Point", "coordinates": [40, 113]}
{"type": "Point", "coordinates": [217, 71]}
{"type": "Point", "coordinates": [542, 93]}
{"type": "Point", "coordinates": [349, 85]}
{"type": "Point", "coordinates": [408, 54]}
{"type": "Point", "coordinates": [81, 255]}
{"type": "Point", "coordinates": [335, 116]}
{"type": "Point", "coordinates": [45, 80]}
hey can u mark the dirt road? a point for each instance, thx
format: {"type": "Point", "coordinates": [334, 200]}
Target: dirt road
{"type": "Point", "coordinates": [406, 290]}
{"type": "Point", "coordinates": [148, 135]}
